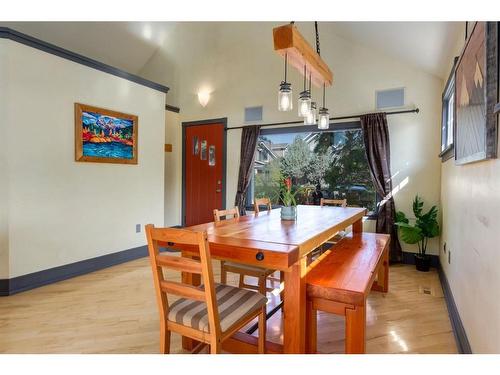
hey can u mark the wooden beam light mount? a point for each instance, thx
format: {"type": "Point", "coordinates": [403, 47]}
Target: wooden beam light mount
{"type": "Point", "coordinates": [288, 40]}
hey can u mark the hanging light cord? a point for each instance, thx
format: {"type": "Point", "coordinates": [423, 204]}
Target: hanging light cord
{"type": "Point", "coordinates": [317, 37]}
{"type": "Point", "coordinates": [324, 95]}
{"type": "Point", "coordinates": [319, 53]}
{"type": "Point", "coordinates": [305, 76]}
{"type": "Point", "coordinates": [286, 63]}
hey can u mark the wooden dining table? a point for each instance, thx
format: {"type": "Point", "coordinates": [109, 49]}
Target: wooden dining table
{"type": "Point", "coordinates": [265, 240]}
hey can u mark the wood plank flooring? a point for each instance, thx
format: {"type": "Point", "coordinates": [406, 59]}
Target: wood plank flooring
{"type": "Point", "coordinates": [114, 311]}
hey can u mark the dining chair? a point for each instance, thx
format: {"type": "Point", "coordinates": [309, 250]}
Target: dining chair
{"type": "Point", "coordinates": [261, 202]}
{"type": "Point", "coordinates": [338, 236]}
{"type": "Point", "coordinates": [204, 313]}
{"type": "Point", "coordinates": [242, 269]}
{"type": "Point", "coordinates": [333, 202]}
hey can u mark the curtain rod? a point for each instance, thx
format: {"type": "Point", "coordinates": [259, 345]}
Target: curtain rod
{"type": "Point", "coordinates": [416, 110]}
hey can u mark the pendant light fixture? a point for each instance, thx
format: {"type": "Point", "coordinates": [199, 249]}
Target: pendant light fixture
{"type": "Point", "coordinates": [289, 42]}
{"type": "Point", "coordinates": [304, 98]}
{"type": "Point", "coordinates": [285, 93]}
{"type": "Point", "coordinates": [324, 116]}
{"type": "Point", "coordinates": [310, 119]}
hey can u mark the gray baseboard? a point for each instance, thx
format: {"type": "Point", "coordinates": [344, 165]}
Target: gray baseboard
{"type": "Point", "coordinates": [461, 339]}
{"type": "Point", "coordinates": [52, 275]}
{"type": "Point", "coordinates": [463, 345]}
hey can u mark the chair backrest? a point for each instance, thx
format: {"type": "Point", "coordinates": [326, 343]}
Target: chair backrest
{"type": "Point", "coordinates": [233, 212]}
{"type": "Point", "coordinates": [202, 267]}
{"type": "Point", "coordinates": [261, 202]}
{"type": "Point", "coordinates": [333, 202]}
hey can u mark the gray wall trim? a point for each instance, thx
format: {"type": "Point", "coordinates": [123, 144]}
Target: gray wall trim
{"type": "Point", "coordinates": [222, 120]}
{"type": "Point", "coordinates": [52, 275]}
{"type": "Point", "coordinates": [4, 287]}
{"type": "Point", "coordinates": [463, 345]}
{"type": "Point", "coordinates": [7, 33]}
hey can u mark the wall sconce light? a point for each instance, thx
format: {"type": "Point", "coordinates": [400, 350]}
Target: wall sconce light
{"type": "Point", "coordinates": [203, 97]}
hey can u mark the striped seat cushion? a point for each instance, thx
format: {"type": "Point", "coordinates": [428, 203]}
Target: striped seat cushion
{"type": "Point", "coordinates": [234, 303]}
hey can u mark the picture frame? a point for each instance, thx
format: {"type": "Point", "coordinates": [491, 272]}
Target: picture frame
{"type": "Point", "coordinates": [476, 93]}
{"type": "Point", "coordinates": [105, 136]}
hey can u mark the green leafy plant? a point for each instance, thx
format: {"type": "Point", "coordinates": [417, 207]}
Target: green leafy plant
{"type": "Point", "coordinates": [286, 194]}
{"type": "Point", "coordinates": [425, 226]}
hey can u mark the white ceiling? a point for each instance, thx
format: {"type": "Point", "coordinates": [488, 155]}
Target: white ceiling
{"type": "Point", "coordinates": [125, 45]}
{"type": "Point", "coordinates": [427, 45]}
{"type": "Point", "coordinates": [130, 45]}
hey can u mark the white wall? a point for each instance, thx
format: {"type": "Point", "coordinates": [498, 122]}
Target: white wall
{"type": "Point", "coordinates": [237, 62]}
{"type": "Point", "coordinates": [61, 211]}
{"type": "Point", "coordinates": [173, 170]}
{"type": "Point", "coordinates": [470, 196]}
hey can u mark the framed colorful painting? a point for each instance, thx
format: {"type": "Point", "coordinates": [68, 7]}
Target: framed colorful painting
{"type": "Point", "coordinates": [105, 136]}
{"type": "Point", "coordinates": [476, 90]}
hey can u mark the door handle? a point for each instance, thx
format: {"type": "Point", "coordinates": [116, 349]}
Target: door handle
{"type": "Point", "coordinates": [218, 190]}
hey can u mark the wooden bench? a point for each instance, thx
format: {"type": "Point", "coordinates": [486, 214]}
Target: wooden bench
{"type": "Point", "coordinates": [339, 282]}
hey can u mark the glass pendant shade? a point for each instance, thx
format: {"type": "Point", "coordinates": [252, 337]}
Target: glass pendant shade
{"type": "Point", "coordinates": [285, 97]}
{"type": "Point", "coordinates": [310, 119]}
{"type": "Point", "coordinates": [324, 119]}
{"type": "Point", "coordinates": [304, 103]}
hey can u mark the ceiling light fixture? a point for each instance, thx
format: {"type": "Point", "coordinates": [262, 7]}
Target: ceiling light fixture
{"type": "Point", "coordinates": [310, 119]}
{"type": "Point", "coordinates": [285, 93]}
{"type": "Point", "coordinates": [324, 116]}
{"type": "Point", "coordinates": [304, 98]}
{"type": "Point", "coordinates": [290, 44]}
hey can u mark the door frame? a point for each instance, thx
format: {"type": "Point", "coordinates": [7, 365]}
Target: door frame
{"type": "Point", "coordinates": [186, 124]}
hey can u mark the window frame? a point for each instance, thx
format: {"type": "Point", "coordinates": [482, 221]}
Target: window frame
{"type": "Point", "coordinates": [448, 149]}
{"type": "Point", "coordinates": [338, 126]}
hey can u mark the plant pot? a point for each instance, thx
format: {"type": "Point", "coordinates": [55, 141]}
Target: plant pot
{"type": "Point", "coordinates": [422, 262]}
{"type": "Point", "coordinates": [289, 213]}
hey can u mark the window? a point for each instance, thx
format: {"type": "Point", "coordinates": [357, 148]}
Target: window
{"type": "Point", "coordinates": [332, 163]}
{"type": "Point", "coordinates": [448, 117]}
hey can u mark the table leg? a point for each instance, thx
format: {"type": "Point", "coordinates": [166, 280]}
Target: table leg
{"type": "Point", "coordinates": [383, 273]}
{"type": "Point", "coordinates": [311, 328]}
{"type": "Point", "coordinates": [357, 226]}
{"type": "Point", "coordinates": [193, 279]}
{"type": "Point", "coordinates": [294, 312]}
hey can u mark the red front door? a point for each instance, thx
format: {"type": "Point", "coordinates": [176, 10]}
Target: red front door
{"type": "Point", "coordinates": [204, 155]}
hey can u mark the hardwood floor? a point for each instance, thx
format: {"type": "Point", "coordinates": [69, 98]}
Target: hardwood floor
{"type": "Point", "coordinates": [114, 311]}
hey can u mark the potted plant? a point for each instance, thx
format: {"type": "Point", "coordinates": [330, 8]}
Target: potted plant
{"type": "Point", "coordinates": [289, 209]}
{"type": "Point", "coordinates": [425, 226]}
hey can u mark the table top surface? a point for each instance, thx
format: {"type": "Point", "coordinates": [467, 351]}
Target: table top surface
{"type": "Point", "coordinates": [267, 226]}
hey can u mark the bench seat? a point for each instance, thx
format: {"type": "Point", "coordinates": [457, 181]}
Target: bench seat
{"type": "Point", "coordinates": [340, 280]}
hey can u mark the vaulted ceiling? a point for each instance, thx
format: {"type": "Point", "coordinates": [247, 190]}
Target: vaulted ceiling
{"type": "Point", "coordinates": [130, 45]}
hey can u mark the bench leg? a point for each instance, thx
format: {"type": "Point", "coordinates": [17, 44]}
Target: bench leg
{"type": "Point", "coordinates": [382, 282]}
{"type": "Point", "coordinates": [311, 329]}
{"type": "Point", "coordinates": [355, 325]}
{"type": "Point", "coordinates": [383, 274]}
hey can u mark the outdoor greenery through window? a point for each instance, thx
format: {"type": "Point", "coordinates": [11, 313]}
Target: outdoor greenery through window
{"type": "Point", "coordinates": [321, 164]}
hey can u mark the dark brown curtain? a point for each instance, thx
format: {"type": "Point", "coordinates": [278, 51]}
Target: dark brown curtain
{"type": "Point", "coordinates": [378, 153]}
{"type": "Point", "coordinates": [249, 138]}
